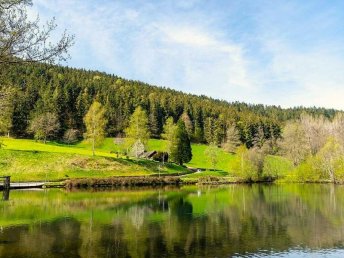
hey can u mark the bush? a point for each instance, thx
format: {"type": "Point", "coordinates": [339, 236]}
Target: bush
{"type": "Point", "coordinates": [208, 180]}
{"type": "Point", "coordinates": [71, 136]}
{"type": "Point", "coordinates": [121, 181]}
{"type": "Point", "coordinates": [276, 167]}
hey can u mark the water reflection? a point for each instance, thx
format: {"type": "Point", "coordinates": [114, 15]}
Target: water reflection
{"type": "Point", "coordinates": [236, 220]}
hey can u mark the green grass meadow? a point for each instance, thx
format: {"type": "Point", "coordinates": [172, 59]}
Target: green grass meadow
{"type": "Point", "coordinates": [29, 160]}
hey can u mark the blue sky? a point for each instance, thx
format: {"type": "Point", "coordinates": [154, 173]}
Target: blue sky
{"type": "Point", "coordinates": [286, 53]}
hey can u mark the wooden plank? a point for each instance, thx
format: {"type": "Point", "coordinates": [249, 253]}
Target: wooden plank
{"type": "Point", "coordinates": [24, 185]}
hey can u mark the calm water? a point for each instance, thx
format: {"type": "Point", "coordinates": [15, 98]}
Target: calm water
{"type": "Point", "coordinates": [226, 221]}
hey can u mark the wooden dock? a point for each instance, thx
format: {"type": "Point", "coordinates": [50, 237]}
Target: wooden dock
{"type": "Point", "coordinates": [24, 185]}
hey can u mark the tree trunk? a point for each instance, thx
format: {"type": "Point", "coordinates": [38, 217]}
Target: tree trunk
{"type": "Point", "coordinates": [93, 143]}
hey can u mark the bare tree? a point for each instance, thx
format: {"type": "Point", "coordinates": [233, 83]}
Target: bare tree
{"type": "Point", "coordinates": [337, 128]}
{"type": "Point", "coordinates": [44, 126]}
{"type": "Point", "coordinates": [137, 149]}
{"type": "Point", "coordinates": [295, 144]}
{"type": "Point", "coordinates": [232, 139]}
{"type": "Point", "coordinates": [188, 123]}
{"type": "Point", "coordinates": [71, 136]}
{"type": "Point", "coordinates": [6, 109]}
{"type": "Point", "coordinates": [24, 40]}
{"type": "Point", "coordinates": [316, 130]}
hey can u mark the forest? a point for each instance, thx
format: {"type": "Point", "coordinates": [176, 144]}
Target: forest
{"type": "Point", "coordinates": [29, 90]}
{"type": "Point", "coordinates": [50, 102]}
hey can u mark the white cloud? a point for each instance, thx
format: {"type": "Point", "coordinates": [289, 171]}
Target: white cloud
{"type": "Point", "coordinates": [153, 43]}
{"type": "Point", "coordinates": [183, 55]}
{"type": "Point", "coordinates": [315, 74]}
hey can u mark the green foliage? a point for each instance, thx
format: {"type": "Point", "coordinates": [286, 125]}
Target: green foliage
{"type": "Point", "coordinates": [212, 153]}
{"type": "Point", "coordinates": [6, 108]}
{"type": "Point", "coordinates": [2, 145]}
{"type": "Point", "coordinates": [95, 123]}
{"type": "Point", "coordinates": [243, 166]}
{"type": "Point", "coordinates": [276, 167]}
{"type": "Point", "coordinates": [181, 147]}
{"type": "Point", "coordinates": [70, 92]}
{"type": "Point", "coordinates": [138, 127]}
{"type": "Point", "coordinates": [168, 134]}
{"type": "Point", "coordinates": [307, 171]}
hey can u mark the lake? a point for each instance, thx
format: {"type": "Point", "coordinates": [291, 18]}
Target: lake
{"type": "Point", "coordinates": [292, 220]}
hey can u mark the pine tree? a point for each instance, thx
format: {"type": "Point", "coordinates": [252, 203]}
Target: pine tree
{"type": "Point", "coordinates": [153, 122]}
{"type": "Point", "coordinates": [219, 133]}
{"type": "Point", "coordinates": [138, 127]}
{"type": "Point", "coordinates": [209, 130]}
{"type": "Point", "coordinates": [95, 123]}
{"type": "Point", "coordinates": [199, 131]}
{"type": "Point", "coordinates": [181, 147]}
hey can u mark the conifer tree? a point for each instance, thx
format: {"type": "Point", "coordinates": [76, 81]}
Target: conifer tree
{"type": "Point", "coordinates": [181, 147]}
{"type": "Point", "coordinates": [209, 130]}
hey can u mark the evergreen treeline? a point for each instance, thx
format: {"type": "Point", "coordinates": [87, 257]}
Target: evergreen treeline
{"type": "Point", "coordinates": [68, 93]}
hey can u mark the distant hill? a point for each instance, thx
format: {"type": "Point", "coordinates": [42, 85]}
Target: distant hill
{"type": "Point", "coordinates": [69, 92]}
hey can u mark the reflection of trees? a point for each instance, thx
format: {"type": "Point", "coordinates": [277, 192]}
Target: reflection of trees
{"type": "Point", "coordinates": [218, 222]}
{"type": "Point", "coordinates": [57, 239]}
{"type": "Point", "coordinates": [136, 215]}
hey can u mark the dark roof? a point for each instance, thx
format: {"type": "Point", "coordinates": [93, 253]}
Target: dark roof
{"type": "Point", "coordinates": [148, 154]}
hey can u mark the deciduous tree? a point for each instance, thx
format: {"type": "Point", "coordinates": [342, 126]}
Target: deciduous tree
{"type": "Point", "coordinates": [212, 153]}
{"type": "Point", "coordinates": [6, 109]}
{"type": "Point", "coordinates": [169, 134]}
{"type": "Point", "coordinates": [24, 40]}
{"type": "Point", "coordinates": [95, 123]}
{"type": "Point", "coordinates": [138, 127]}
{"type": "Point", "coordinates": [71, 136]}
{"type": "Point", "coordinates": [44, 125]}
{"type": "Point", "coordinates": [232, 139]}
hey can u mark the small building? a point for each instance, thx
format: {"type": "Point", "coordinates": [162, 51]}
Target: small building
{"type": "Point", "coordinates": [148, 154]}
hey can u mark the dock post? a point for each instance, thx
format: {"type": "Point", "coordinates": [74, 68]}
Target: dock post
{"type": "Point", "coordinates": [7, 182]}
{"type": "Point", "coordinates": [6, 194]}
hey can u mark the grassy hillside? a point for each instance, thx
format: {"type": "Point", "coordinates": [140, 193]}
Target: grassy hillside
{"type": "Point", "coordinates": [28, 160]}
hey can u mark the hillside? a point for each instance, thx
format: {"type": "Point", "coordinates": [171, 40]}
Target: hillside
{"type": "Point", "coordinates": [69, 92]}
{"type": "Point", "coordinates": [30, 160]}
